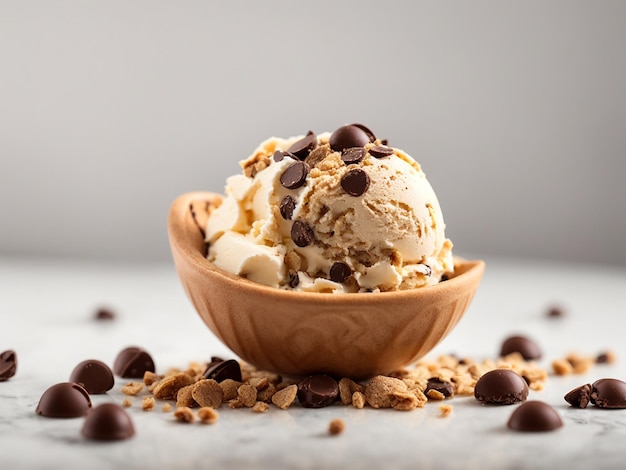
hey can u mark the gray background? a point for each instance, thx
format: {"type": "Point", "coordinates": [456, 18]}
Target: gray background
{"type": "Point", "coordinates": [109, 110]}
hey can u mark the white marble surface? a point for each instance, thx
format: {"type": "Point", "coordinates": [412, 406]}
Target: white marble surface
{"type": "Point", "coordinates": [46, 313]}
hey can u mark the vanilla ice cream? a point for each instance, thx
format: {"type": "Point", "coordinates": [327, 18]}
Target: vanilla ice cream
{"type": "Point", "coordinates": [340, 212]}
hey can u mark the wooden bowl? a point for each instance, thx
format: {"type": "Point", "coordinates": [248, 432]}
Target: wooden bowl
{"type": "Point", "coordinates": [355, 335]}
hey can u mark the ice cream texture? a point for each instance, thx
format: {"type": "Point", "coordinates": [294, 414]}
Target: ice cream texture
{"type": "Point", "coordinates": [330, 213]}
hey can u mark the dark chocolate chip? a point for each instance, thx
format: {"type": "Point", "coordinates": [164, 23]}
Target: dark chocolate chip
{"type": "Point", "coordinates": [287, 206]}
{"type": "Point", "coordinates": [220, 371]}
{"type": "Point", "coordinates": [353, 155]}
{"type": "Point", "coordinates": [501, 387]}
{"type": "Point", "coordinates": [355, 182]}
{"type": "Point", "coordinates": [379, 151]}
{"type": "Point", "coordinates": [294, 280]}
{"type": "Point", "coordinates": [64, 400]}
{"type": "Point", "coordinates": [534, 416]}
{"type": "Point", "coordinates": [444, 387]}
{"type": "Point", "coordinates": [369, 133]}
{"type": "Point", "coordinates": [108, 422]}
{"type": "Point", "coordinates": [384, 142]}
{"type": "Point", "coordinates": [348, 136]}
{"type": "Point", "coordinates": [302, 234]}
{"type": "Point", "coordinates": [520, 344]}
{"type": "Point", "coordinates": [104, 314]}
{"type": "Point", "coordinates": [444, 277]}
{"type": "Point", "coordinates": [339, 272]}
{"type": "Point", "coordinates": [580, 396]}
{"type": "Point", "coordinates": [603, 358]}
{"type": "Point", "coordinates": [555, 312]}
{"type": "Point", "coordinates": [294, 175]}
{"type": "Point", "coordinates": [317, 391]}
{"type": "Point", "coordinates": [95, 376]}
{"type": "Point", "coordinates": [303, 147]}
{"type": "Point", "coordinates": [609, 393]}
{"type": "Point", "coordinates": [8, 364]}
{"type": "Point", "coordinates": [133, 362]}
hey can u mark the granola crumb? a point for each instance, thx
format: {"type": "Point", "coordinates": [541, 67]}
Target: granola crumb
{"type": "Point", "coordinates": [148, 403]}
{"type": "Point", "coordinates": [260, 407]}
{"type": "Point", "coordinates": [445, 410]}
{"type": "Point", "coordinates": [127, 403]}
{"type": "Point", "coordinates": [336, 427]}
{"type": "Point", "coordinates": [208, 415]}
{"type": "Point", "coordinates": [132, 388]}
{"type": "Point", "coordinates": [184, 414]}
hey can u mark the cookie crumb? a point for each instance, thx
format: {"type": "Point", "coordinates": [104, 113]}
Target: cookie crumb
{"type": "Point", "coordinates": [562, 367]}
{"type": "Point", "coordinates": [208, 415]}
{"type": "Point", "coordinates": [336, 427]}
{"type": "Point", "coordinates": [445, 410]}
{"type": "Point", "coordinates": [358, 400]}
{"type": "Point", "coordinates": [285, 397]}
{"type": "Point", "coordinates": [132, 388]}
{"type": "Point", "coordinates": [207, 393]}
{"type": "Point", "coordinates": [127, 403]}
{"type": "Point", "coordinates": [168, 387]}
{"type": "Point", "coordinates": [147, 404]}
{"type": "Point", "coordinates": [260, 407]}
{"type": "Point", "coordinates": [167, 407]}
{"type": "Point", "coordinates": [184, 414]}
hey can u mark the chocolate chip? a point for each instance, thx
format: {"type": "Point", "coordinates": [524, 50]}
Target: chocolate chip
{"type": "Point", "coordinates": [604, 358]}
{"type": "Point", "coordinates": [501, 387]}
{"type": "Point", "coordinates": [8, 365]}
{"type": "Point", "coordinates": [353, 155]}
{"type": "Point", "coordinates": [339, 272]}
{"type": "Point", "coordinates": [348, 136]}
{"type": "Point", "coordinates": [555, 312]}
{"type": "Point", "coordinates": [580, 396]}
{"type": "Point", "coordinates": [609, 393]}
{"type": "Point", "coordinates": [108, 422]}
{"type": "Point", "coordinates": [534, 416]}
{"type": "Point", "coordinates": [294, 175]}
{"type": "Point", "coordinates": [133, 362]}
{"type": "Point", "coordinates": [95, 376]}
{"type": "Point", "coordinates": [287, 206]}
{"type": "Point", "coordinates": [221, 371]}
{"type": "Point", "coordinates": [64, 400]}
{"type": "Point", "coordinates": [444, 387]}
{"type": "Point", "coordinates": [294, 280]}
{"type": "Point", "coordinates": [355, 182]}
{"type": "Point", "coordinates": [303, 147]}
{"type": "Point", "coordinates": [104, 314]}
{"type": "Point", "coordinates": [379, 151]}
{"type": "Point", "coordinates": [317, 391]}
{"type": "Point", "coordinates": [302, 234]}
{"type": "Point", "coordinates": [522, 345]}
{"type": "Point", "coordinates": [369, 133]}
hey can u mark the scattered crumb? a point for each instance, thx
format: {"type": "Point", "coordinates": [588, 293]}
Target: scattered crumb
{"type": "Point", "coordinates": [167, 407]}
{"type": "Point", "coordinates": [132, 388]}
{"type": "Point", "coordinates": [148, 403]}
{"type": "Point", "coordinates": [336, 426]}
{"type": "Point", "coordinates": [445, 410]}
{"type": "Point", "coordinates": [184, 414]}
{"type": "Point", "coordinates": [260, 407]}
{"type": "Point", "coordinates": [127, 403]}
{"type": "Point", "coordinates": [285, 397]}
{"type": "Point", "coordinates": [208, 415]}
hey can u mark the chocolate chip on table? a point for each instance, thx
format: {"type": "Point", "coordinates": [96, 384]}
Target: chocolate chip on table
{"type": "Point", "coordinates": [339, 272]}
{"type": "Point", "coordinates": [606, 357]}
{"type": "Point", "coordinates": [520, 344]}
{"type": "Point", "coordinates": [444, 387]}
{"type": "Point", "coordinates": [108, 422]}
{"type": "Point", "coordinates": [317, 391]}
{"type": "Point", "coordinates": [302, 234]}
{"type": "Point", "coordinates": [555, 312]}
{"type": "Point", "coordinates": [534, 416]}
{"type": "Point", "coordinates": [294, 175]}
{"type": "Point", "coordinates": [355, 182]}
{"type": "Point", "coordinates": [64, 400]}
{"type": "Point", "coordinates": [353, 155]}
{"type": "Point", "coordinates": [501, 387]}
{"type": "Point", "coordinates": [287, 206]}
{"type": "Point", "coordinates": [380, 151]}
{"type": "Point", "coordinates": [8, 364]}
{"type": "Point", "coordinates": [95, 376]}
{"type": "Point", "coordinates": [104, 314]}
{"type": "Point", "coordinates": [580, 396]}
{"type": "Point", "coordinates": [348, 136]}
{"type": "Point", "coordinates": [133, 362]}
{"type": "Point", "coordinates": [220, 371]}
{"type": "Point", "coordinates": [303, 147]}
{"type": "Point", "coordinates": [609, 393]}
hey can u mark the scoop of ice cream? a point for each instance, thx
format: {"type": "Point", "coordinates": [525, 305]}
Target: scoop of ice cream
{"type": "Point", "coordinates": [340, 212]}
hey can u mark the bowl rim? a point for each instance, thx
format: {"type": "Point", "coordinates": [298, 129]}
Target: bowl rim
{"type": "Point", "coordinates": [186, 239]}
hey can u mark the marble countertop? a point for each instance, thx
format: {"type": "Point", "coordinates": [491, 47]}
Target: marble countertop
{"type": "Point", "coordinates": [46, 313]}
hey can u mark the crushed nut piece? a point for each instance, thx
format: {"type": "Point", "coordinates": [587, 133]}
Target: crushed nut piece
{"type": "Point", "coordinates": [150, 377]}
{"type": "Point", "coordinates": [260, 407]}
{"type": "Point", "coordinates": [132, 388]}
{"type": "Point", "coordinates": [347, 387]}
{"type": "Point", "coordinates": [147, 404]}
{"type": "Point", "coordinates": [285, 397]}
{"type": "Point", "coordinates": [358, 400]}
{"type": "Point", "coordinates": [127, 403]}
{"type": "Point", "coordinates": [445, 410]}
